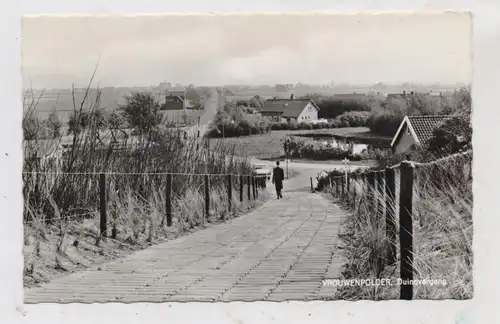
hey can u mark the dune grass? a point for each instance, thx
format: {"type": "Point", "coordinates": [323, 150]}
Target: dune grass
{"type": "Point", "coordinates": [61, 194]}
{"type": "Point", "coordinates": [442, 235]}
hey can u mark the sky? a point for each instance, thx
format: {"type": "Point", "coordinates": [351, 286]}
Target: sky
{"type": "Point", "coordinates": [58, 51]}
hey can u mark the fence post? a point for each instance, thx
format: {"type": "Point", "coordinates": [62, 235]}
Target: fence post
{"type": "Point", "coordinates": [363, 182]}
{"type": "Point", "coordinates": [348, 187]}
{"type": "Point", "coordinates": [249, 179]}
{"type": "Point", "coordinates": [207, 197]}
{"type": "Point", "coordinates": [312, 188]}
{"type": "Point", "coordinates": [102, 196]}
{"type": "Point", "coordinates": [168, 198]}
{"type": "Point", "coordinates": [256, 187]}
{"type": "Point", "coordinates": [406, 229]}
{"type": "Point", "coordinates": [380, 193]}
{"type": "Point", "coordinates": [241, 187]}
{"type": "Point", "coordinates": [371, 190]}
{"type": "Point", "coordinates": [353, 203]}
{"type": "Point", "coordinates": [390, 214]}
{"type": "Point", "coordinates": [229, 193]}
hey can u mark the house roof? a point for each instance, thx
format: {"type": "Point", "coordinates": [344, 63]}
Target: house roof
{"type": "Point", "coordinates": [288, 108]}
{"type": "Point", "coordinates": [421, 127]}
{"type": "Point", "coordinates": [176, 93]}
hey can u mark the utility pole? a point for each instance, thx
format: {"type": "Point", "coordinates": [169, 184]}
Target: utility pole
{"type": "Point", "coordinates": [346, 162]}
{"type": "Point", "coordinates": [287, 155]}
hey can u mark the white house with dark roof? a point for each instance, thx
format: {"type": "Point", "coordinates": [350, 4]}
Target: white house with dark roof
{"type": "Point", "coordinates": [286, 110]}
{"type": "Point", "coordinates": [415, 131]}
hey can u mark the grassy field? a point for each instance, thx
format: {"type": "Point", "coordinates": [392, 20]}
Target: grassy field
{"type": "Point", "coordinates": [269, 146]}
{"type": "Point", "coordinates": [110, 99]}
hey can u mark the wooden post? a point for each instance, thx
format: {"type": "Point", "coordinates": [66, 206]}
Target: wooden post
{"type": "Point", "coordinates": [241, 188]}
{"type": "Point", "coordinates": [371, 190]}
{"type": "Point", "coordinates": [229, 193]}
{"type": "Point", "coordinates": [406, 229]}
{"type": "Point", "coordinates": [256, 181]}
{"type": "Point", "coordinates": [390, 214]}
{"type": "Point", "coordinates": [207, 197]}
{"type": "Point", "coordinates": [354, 177]}
{"type": "Point", "coordinates": [312, 188]}
{"type": "Point", "coordinates": [168, 200]}
{"type": "Point", "coordinates": [379, 177]}
{"type": "Point", "coordinates": [342, 180]}
{"type": "Point", "coordinates": [249, 188]}
{"type": "Point", "coordinates": [348, 187]}
{"type": "Point", "coordinates": [337, 189]}
{"type": "Point", "coordinates": [363, 182]}
{"type": "Point", "coordinates": [102, 196]}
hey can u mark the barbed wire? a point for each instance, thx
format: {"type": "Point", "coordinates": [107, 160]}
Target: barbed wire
{"type": "Point", "coordinates": [414, 163]}
{"type": "Point", "coordinates": [444, 159]}
{"type": "Point", "coordinates": [146, 173]}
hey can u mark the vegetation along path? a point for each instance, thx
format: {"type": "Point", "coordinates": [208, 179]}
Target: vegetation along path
{"type": "Point", "coordinates": [281, 251]}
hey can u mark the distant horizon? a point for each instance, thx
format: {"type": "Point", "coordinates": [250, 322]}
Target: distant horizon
{"type": "Point", "coordinates": [337, 85]}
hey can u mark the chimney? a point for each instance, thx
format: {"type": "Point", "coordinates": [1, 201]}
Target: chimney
{"type": "Point", "coordinates": [292, 96]}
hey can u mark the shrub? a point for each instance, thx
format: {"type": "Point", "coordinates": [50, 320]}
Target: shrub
{"type": "Point", "coordinates": [353, 119]}
{"type": "Point", "coordinates": [234, 121]}
{"type": "Point", "coordinates": [53, 125]}
{"type": "Point", "coordinates": [385, 123]}
{"type": "Point", "coordinates": [453, 136]}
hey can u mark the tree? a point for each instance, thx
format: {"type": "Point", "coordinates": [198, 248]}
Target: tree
{"type": "Point", "coordinates": [453, 136]}
{"type": "Point", "coordinates": [141, 112]}
{"type": "Point", "coordinates": [54, 125]}
{"type": "Point", "coordinates": [80, 120]}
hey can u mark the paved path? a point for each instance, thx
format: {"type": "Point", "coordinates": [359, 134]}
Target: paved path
{"type": "Point", "coordinates": [211, 106]}
{"type": "Point", "coordinates": [281, 251]}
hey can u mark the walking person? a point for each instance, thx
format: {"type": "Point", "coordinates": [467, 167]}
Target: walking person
{"type": "Point", "coordinates": [278, 177]}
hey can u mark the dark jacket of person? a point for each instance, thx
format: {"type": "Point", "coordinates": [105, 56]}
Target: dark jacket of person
{"type": "Point", "coordinates": [278, 176]}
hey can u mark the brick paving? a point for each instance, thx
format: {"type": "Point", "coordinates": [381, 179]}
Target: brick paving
{"type": "Point", "coordinates": [281, 251]}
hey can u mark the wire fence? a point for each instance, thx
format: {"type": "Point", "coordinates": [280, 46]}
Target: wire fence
{"type": "Point", "coordinates": [394, 195]}
{"type": "Point", "coordinates": [95, 194]}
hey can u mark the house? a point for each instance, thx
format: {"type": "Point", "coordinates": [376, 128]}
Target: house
{"type": "Point", "coordinates": [174, 100]}
{"type": "Point", "coordinates": [285, 110]}
{"type": "Point", "coordinates": [415, 131]}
